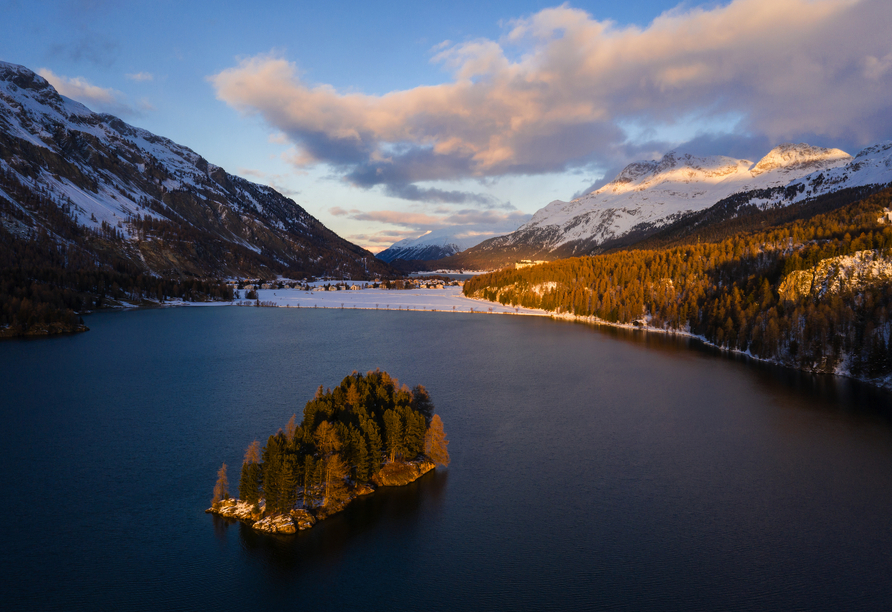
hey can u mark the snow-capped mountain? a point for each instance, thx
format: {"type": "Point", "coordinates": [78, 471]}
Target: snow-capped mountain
{"type": "Point", "coordinates": [169, 209]}
{"type": "Point", "coordinates": [436, 244]}
{"type": "Point", "coordinates": [650, 194]}
{"type": "Point", "coordinates": [871, 166]}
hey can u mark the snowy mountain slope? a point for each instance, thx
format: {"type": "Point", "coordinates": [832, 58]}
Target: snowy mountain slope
{"type": "Point", "coordinates": [871, 166]}
{"type": "Point", "coordinates": [104, 174]}
{"type": "Point", "coordinates": [653, 193]}
{"type": "Point", "coordinates": [435, 244]}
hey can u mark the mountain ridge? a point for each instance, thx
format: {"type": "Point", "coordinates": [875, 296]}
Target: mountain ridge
{"type": "Point", "coordinates": [104, 172]}
{"type": "Point", "coordinates": [648, 196]}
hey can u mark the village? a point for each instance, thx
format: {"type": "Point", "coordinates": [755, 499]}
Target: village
{"type": "Point", "coordinates": [247, 288]}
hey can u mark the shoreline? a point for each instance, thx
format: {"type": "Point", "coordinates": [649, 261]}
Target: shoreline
{"type": "Point", "coordinates": [301, 519]}
{"type": "Point", "coordinates": [882, 383]}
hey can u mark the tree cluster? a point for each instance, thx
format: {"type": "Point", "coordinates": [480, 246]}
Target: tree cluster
{"type": "Point", "coordinates": [346, 435]}
{"type": "Point", "coordinates": [727, 291]}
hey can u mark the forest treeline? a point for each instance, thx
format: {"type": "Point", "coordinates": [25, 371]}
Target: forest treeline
{"type": "Point", "coordinates": [346, 436]}
{"type": "Point", "coordinates": [46, 280]}
{"type": "Point", "coordinates": [727, 291]}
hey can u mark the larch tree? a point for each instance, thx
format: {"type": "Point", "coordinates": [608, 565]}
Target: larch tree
{"type": "Point", "coordinates": [290, 428]}
{"type": "Point", "coordinates": [435, 442]}
{"type": "Point", "coordinates": [335, 486]}
{"type": "Point", "coordinates": [221, 489]}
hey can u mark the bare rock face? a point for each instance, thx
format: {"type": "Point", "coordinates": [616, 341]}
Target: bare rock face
{"type": "Point", "coordinates": [277, 523]}
{"type": "Point", "coordinates": [302, 519]}
{"type": "Point", "coordinates": [363, 488]}
{"type": "Point", "coordinates": [796, 285]}
{"type": "Point", "coordinates": [398, 473]}
{"type": "Point", "coordinates": [236, 509]}
{"type": "Point", "coordinates": [837, 274]}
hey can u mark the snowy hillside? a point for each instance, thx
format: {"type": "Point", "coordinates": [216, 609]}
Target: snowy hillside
{"type": "Point", "coordinates": [652, 193]}
{"type": "Point", "coordinates": [171, 209]}
{"type": "Point", "coordinates": [871, 166]}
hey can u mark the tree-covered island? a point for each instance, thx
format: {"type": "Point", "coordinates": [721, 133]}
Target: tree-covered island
{"type": "Point", "coordinates": [366, 432]}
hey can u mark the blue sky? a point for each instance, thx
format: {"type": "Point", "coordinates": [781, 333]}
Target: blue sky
{"type": "Point", "coordinates": [386, 120]}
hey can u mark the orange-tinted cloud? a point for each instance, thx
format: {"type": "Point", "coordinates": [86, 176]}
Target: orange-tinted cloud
{"type": "Point", "coordinates": [787, 67]}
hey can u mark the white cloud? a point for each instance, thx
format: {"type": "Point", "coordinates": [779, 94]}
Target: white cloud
{"type": "Point", "coordinates": [97, 98]}
{"type": "Point", "coordinates": [875, 69]}
{"type": "Point", "coordinates": [785, 67]}
{"type": "Point", "coordinates": [140, 77]}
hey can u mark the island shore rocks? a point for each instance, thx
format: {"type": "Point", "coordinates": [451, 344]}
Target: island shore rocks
{"type": "Point", "coordinates": [393, 474]}
{"type": "Point", "coordinates": [397, 473]}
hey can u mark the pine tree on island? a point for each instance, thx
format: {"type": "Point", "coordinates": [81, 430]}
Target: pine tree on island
{"type": "Point", "coordinates": [251, 478]}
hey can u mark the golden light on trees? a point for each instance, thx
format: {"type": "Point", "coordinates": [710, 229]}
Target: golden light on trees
{"type": "Point", "coordinates": [435, 442]}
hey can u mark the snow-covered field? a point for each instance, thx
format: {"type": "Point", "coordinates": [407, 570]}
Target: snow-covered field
{"type": "Point", "coordinates": [449, 299]}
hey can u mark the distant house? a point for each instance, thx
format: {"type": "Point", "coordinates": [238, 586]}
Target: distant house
{"type": "Point", "coordinates": [354, 287]}
{"type": "Point", "coordinates": [526, 263]}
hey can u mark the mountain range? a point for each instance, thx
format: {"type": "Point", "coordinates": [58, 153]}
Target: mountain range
{"type": "Point", "coordinates": [677, 191]}
{"type": "Point", "coordinates": [130, 197]}
{"type": "Point", "coordinates": [435, 244]}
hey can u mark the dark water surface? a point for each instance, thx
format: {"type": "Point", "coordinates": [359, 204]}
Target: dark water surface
{"type": "Point", "coordinates": [590, 470]}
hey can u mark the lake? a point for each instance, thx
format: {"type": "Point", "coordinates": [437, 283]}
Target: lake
{"type": "Point", "coordinates": [590, 470]}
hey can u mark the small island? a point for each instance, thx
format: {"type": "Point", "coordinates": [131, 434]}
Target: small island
{"type": "Point", "coordinates": [368, 432]}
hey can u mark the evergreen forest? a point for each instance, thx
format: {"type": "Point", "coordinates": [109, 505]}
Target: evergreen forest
{"type": "Point", "coordinates": [347, 435]}
{"type": "Point", "coordinates": [727, 291]}
{"type": "Point", "coordinates": [57, 268]}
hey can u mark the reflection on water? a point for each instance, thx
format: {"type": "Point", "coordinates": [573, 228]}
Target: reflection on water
{"type": "Point", "coordinates": [392, 510]}
{"type": "Point", "coordinates": [814, 391]}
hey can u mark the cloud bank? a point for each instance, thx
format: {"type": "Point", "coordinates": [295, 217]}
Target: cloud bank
{"type": "Point", "coordinates": [553, 92]}
{"type": "Point", "coordinates": [465, 223]}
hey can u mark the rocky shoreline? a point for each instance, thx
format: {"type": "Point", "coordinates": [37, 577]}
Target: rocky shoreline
{"type": "Point", "coordinates": [394, 474]}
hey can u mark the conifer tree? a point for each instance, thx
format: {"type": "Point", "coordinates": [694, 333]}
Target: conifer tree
{"type": "Point", "coordinates": [414, 433]}
{"type": "Point", "coordinates": [335, 486]}
{"type": "Point", "coordinates": [363, 464]}
{"type": "Point", "coordinates": [373, 435]}
{"type": "Point", "coordinates": [421, 402]}
{"type": "Point", "coordinates": [310, 482]}
{"type": "Point", "coordinates": [221, 488]}
{"type": "Point", "coordinates": [393, 433]}
{"type": "Point", "coordinates": [251, 477]}
{"type": "Point", "coordinates": [290, 428]}
{"type": "Point", "coordinates": [435, 442]}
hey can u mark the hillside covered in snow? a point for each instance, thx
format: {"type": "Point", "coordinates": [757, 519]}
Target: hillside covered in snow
{"type": "Point", "coordinates": [648, 196]}
{"type": "Point", "coordinates": [159, 206]}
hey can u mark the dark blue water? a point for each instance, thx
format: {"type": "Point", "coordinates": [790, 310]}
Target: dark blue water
{"type": "Point", "coordinates": [590, 470]}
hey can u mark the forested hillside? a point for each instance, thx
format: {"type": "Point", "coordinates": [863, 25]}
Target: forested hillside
{"type": "Point", "coordinates": [728, 291]}
{"type": "Point", "coordinates": [53, 268]}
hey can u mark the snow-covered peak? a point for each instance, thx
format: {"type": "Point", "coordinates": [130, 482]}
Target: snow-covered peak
{"type": "Point", "coordinates": [673, 167]}
{"type": "Point", "coordinates": [436, 244]}
{"type": "Point", "coordinates": [800, 156]}
{"type": "Point", "coordinates": [871, 166]}
{"type": "Point", "coordinates": [648, 194]}
{"type": "Point", "coordinates": [883, 149]}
